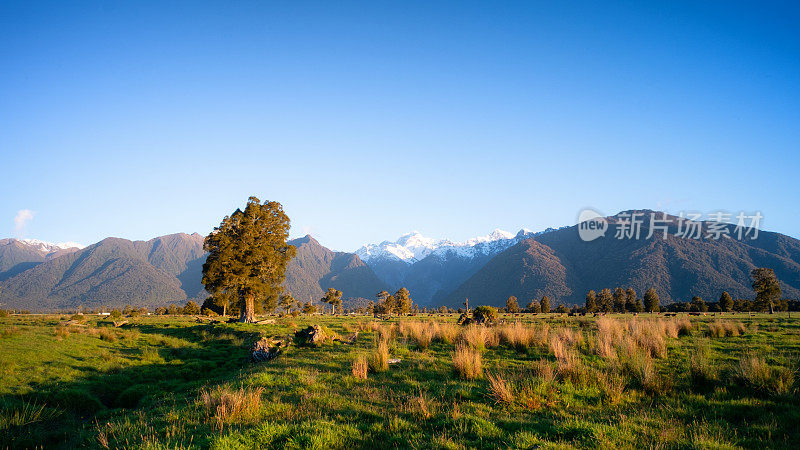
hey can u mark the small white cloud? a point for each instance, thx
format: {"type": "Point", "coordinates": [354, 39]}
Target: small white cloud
{"type": "Point", "coordinates": [21, 220]}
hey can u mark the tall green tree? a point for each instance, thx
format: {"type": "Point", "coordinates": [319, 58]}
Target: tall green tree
{"type": "Point", "coordinates": [725, 301]}
{"type": "Point", "coordinates": [402, 301]}
{"type": "Point", "coordinates": [651, 301]}
{"type": "Point", "coordinates": [591, 302]}
{"type": "Point", "coordinates": [332, 297]}
{"type": "Point", "coordinates": [248, 255]}
{"type": "Point", "coordinates": [605, 300]}
{"type": "Point", "coordinates": [631, 301]}
{"type": "Point", "coordinates": [545, 304]}
{"type": "Point", "coordinates": [619, 300]}
{"type": "Point", "coordinates": [698, 304]}
{"type": "Point", "coordinates": [511, 305]}
{"type": "Point", "coordinates": [767, 288]}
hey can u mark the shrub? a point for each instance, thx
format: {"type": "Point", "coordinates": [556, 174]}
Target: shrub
{"type": "Point", "coordinates": [360, 367]}
{"type": "Point", "coordinates": [209, 312]}
{"type": "Point", "coordinates": [467, 362]}
{"type": "Point", "coordinates": [484, 314]}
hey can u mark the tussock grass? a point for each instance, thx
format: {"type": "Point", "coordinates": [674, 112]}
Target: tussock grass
{"type": "Point", "coordinates": [420, 333]}
{"type": "Point", "coordinates": [378, 360]}
{"type": "Point", "coordinates": [752, 370]}
{"type": "Point", "coordinates": [467, 362]}
{"type": "Point", "coordinates": [360, 367]}
{"type": "Point", "coordinates": [499, 388]}
{"type": "Point", "coordinates": [223, 405]}
{"type": "Point", "coordinates": [725, 328]}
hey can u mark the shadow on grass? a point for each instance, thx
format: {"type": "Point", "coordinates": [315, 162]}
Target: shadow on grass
{"type": "Point", "coordinates": [183, 359]}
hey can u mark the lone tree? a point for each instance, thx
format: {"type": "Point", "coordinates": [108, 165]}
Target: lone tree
{"type": "Point", "coordinates": [545, 304]}
{"type": "Point", "coordinates": [651, 301]}
{"type": "Point", "coordinates": [591, 302]}
{"type": "Point", "coordinates": [725, 301]}
{"type": "Point", "coordinates": [247, 257]}
{"type": "Point", "coordinates": [511, 305]}
{"type": "Point", "coordinates": [767, 288]}
{"type": "Point", "coordinates": [332, 297]}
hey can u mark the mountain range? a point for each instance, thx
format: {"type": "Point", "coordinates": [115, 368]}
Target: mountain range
{"type": "Point", "coordinates": [114, 272]}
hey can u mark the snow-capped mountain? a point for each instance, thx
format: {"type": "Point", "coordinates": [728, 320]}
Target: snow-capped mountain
{"type": "Point", "coordinates": [413, 247]}
{"type": "Point", "coordinates": [49, 247]}
{"type": "Point", "coordinates": [431, 268]}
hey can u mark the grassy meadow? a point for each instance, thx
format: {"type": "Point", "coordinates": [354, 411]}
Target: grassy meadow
{"type": "Point", "coordinates": [529, 381]}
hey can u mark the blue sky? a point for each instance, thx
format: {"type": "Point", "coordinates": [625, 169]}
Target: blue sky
{"type": "Point", "coordinates": [368, 120]}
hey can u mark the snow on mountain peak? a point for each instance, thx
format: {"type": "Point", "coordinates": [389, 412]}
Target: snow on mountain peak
{"type": "Point", "coordinates": [412, 247]}
{"type": "Point", "coordinates": [49, 247]}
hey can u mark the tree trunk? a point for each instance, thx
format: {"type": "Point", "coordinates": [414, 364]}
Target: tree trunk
{"type": "Point", "coordinates": [224, 309]}
{"type": "Point", "coordinates": [248, 309]}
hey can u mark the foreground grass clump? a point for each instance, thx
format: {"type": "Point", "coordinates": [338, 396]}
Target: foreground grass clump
{"type": "Point", "coordinates": [527, 381]}
{"type": "Point", "coordinates": [467, 362]}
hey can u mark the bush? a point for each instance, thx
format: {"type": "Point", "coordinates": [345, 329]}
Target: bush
{"type": "Point", "coordinates": [209, 312]}
{"type": "Point", "coordinates": [115, 314]}
{"type": "Point", "coordinates": [484, 314]}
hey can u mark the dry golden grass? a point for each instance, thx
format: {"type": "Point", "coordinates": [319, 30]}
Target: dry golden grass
{"type": "Point", "coordinates": [544, 370]}
{"type": "Point", "coordinates": [421, 333]}
{"type": "Point", "coordinates": [223, 405]}
{"type": "Point", "coordinates": [446, 332]}
{"type": "Point", "coordinates": [500, 389]}
{"type": "Point", "coordinates": [360, 367]}
{"type": "Point", "coordinates": [724, 328]}
{"type": "Point", "coordinates": [467, 362]}
{"type": "Point", "coordinates": [379, 358]}
{"type": "Point", "coordinates": [612, 386]}
{"type": "Point", "coordinates": [521, 337]}
{"type": "Point", "coordinates": [474, 336]}
{"type": "Point", "coordinates": [421, 406]}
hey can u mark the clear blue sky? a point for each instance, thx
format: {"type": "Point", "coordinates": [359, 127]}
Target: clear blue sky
{"type": "Point", "coordinates": [367, 120]}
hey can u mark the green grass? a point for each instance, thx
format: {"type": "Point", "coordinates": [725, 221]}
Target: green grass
{"type": "Point", "coordinates": [169, 382]}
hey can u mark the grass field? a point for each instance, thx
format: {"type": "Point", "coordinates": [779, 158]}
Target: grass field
{"type": "Point", "coordinates": [548, 380]}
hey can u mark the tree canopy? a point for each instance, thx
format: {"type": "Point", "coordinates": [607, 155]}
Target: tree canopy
{"type": "Point", "coordinates": [247, 257]}
{"type": "Point", "coordinates": [767, 288]}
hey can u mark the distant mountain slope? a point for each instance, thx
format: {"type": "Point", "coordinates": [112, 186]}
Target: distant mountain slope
{"type": "Point", "coordinates": [17, 255]}
{"type": "Point", "coordinates": [559, 264]}
{"type": "Point", "coordinates": [315, 269]}
{"type": "Point", "coordinates": [168, 269]}
{"type": "Point", "coordinates": [113, 272]}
